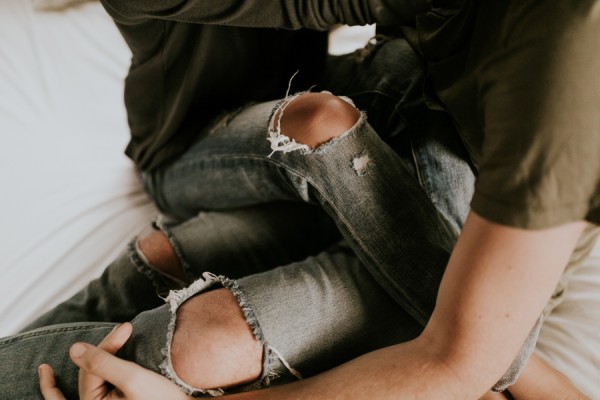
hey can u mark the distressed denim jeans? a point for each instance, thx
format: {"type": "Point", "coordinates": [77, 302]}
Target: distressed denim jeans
{"type": "Point", "coordinates": [332, 252]}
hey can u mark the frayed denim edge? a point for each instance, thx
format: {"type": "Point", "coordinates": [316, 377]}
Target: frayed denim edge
{"type": "Point", "coordinates": [517, 366]}
{"type": "Point", "coordinates": [164, 228]}
{"type": "Point", "coordinates": [271, 357]}
{"type": "Point", "coordinates": [282, 143]}
{"type": "Point", "coordinates": [145, 269]}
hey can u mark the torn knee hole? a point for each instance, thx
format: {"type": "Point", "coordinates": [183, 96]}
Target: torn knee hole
{"type": "Point", "coordinates": [214, 340]}
{"type": "Point", "coordinates": [313, 119]}
{"type": "Point", "coordinates": [212, 327]}
{"type": "Point", "coordinates": [156, 250]}
{"type": "Point", "coordinates": [231, 351]}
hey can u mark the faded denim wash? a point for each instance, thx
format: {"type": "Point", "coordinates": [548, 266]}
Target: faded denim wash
{"type": "Point", "coordinates": [396, 188]}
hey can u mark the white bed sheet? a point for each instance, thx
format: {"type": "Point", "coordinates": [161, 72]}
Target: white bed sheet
{"type": "Point", "coordinates": [70, 198]}
{"type": "Point", "coordinates": [570, 336]}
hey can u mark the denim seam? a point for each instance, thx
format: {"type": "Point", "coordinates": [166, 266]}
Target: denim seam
{"type": "Point", "coordinates": [43, 331]}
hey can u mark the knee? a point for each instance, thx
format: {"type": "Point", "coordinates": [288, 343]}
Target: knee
{"type": "Point", "coordinates": [315, 118]}
{"type": "Point", "coordinates": [159, 252]}
{"type": "Point", "coordinates": [213, 345]}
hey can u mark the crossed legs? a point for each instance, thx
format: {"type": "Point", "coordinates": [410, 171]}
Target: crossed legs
{"type": "Point", "coordinates": [230, 354]}
{"type": "Point", "coordinates": [359, 181]}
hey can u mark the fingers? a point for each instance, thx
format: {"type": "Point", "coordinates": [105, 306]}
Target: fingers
{"type": "Point", "coordinates": [99, 366]}
{"type": "Point", "coordinates": [88, 383]}
{"type": "Point", "coordinates": [116, 338]}
{"type": "Point", "coordinates": [48, 383]}
{"type": "Point", "coordinates": [92, 384]}
{"type": "Point", "coordinates": [130, 380]}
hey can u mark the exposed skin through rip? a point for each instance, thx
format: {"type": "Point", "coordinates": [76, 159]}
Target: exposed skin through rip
{"type": "Point", "coordinates": [315, 118]}
{"type": "Point", "coordinates": [159, 252]}
{"type": "Point", "coordinates": [213, 345]}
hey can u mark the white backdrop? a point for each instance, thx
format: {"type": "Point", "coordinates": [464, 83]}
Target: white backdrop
{"type": "Point", "coordinates": [69, 197]}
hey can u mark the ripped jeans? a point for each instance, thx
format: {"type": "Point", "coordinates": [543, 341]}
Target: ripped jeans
{"type": "Point", "coordinates": [332, 252]}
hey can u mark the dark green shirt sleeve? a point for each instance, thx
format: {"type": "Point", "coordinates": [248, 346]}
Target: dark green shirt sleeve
{"type": "Point", "coordinates": [520, 80]}
{"type": "Point", "coordinates": [539, 97]}
{"type": "Point", "coordinates": [288, 14]}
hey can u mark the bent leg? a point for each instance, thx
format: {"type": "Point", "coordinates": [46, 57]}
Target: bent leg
{"type": "Point", "coordinates": [305, 317]}
{"type": "Point", "coordinates": [356, 178]}
{"type": "Point", "coordinates": [366, 187]}
{"type": "Point", "coordinates": [297, 319]}
{"type": "Point", "coordinates": [234, 243]}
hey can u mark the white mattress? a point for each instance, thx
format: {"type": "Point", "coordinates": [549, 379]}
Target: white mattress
{"type": "Point", "coordinates": [570, 336]}
{"type": "Point", "coordinates": [70, 199]}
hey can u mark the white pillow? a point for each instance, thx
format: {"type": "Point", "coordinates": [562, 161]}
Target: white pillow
{"type": "Point", "coordinates": [56, 5]}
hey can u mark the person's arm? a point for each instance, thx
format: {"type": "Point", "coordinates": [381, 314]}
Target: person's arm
{"type": "Point", "coordinates": [288, 14]}
{"type": "Point", "coordinates": [496, 285]}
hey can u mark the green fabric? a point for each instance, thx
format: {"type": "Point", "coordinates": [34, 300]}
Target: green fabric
{"type": "Point", "coordinates": [521, 80]}
{"type": "Point", "coordinates": [183, 75]}
{"type": "Point", "coordinates": [194, 59]}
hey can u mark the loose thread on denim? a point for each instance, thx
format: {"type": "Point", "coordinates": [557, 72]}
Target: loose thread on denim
{"type": "Point", "coordinates": [292, 370]}
{"type": "Point", "coordinates": [268, 373]}
{"type": "Point", "coordinates": [245, 306]}
{"type": "Point", "coordinates": [289, 88]}
{"type": "Point", "coordinates": [283, 143]}
{"type": "Point", "coordinates": [279, 141]}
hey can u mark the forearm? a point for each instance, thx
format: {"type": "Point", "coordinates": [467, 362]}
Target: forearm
{"type": "Point", "coordinates": [408, 371]}
{"type": "Point", "coordinates": [538, 381]}
{"type": "Point", "coordinates": [287, 14]}
{"type": "Point", "coordinates": [495, 287]}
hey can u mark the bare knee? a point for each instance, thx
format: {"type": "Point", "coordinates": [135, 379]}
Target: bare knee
{"type": "Point", "coordinates": [213, 345]}
{"type": "Point", "coordinates": [315, 118]}
{"type": "Point", "coordinates": [158, 251]}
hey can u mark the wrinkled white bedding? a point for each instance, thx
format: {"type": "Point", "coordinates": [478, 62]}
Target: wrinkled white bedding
{"type": "Point", "coordinates": [70, 199]}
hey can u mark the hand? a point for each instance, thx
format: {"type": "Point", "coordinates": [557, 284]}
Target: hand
{"type": "Point", "coordinates": [100, 370]}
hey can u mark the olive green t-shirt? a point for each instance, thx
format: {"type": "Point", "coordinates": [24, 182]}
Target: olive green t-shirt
{"type": "Point", "coordinates": [194, 59]}
{"type": "Point", "coordinates": [521, 78]}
